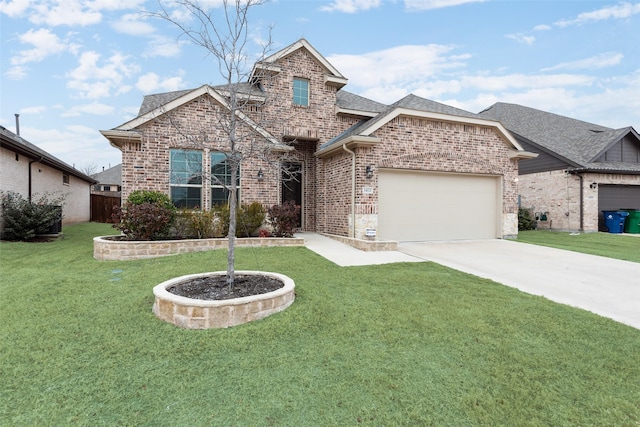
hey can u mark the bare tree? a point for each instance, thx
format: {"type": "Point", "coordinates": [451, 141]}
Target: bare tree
{"type": "Point", "coordinates": [223, 33]}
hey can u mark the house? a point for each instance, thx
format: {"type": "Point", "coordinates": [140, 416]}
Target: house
{"type": "Point", "coordinates": [582, 168]}
{"type": "Point", "coordinates": [412, 170]}
{"type": "Point", "coordinates": [108, 182]}
{"type": "Point", "coordinates": [32, 172]}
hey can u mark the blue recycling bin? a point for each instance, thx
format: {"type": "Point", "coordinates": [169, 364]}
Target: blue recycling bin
{"type": "Point", "coordinates": [614, 220]}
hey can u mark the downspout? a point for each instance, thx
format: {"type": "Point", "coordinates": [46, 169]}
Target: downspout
{"type": "Point", "coordinates": [353, 190]}
{"type": "Point", "coordinates": [30, 180]}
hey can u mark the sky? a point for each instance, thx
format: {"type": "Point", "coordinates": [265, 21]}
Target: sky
{"type": "Point", "coordinates": [71, 68]}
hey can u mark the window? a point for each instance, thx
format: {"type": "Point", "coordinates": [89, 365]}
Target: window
{"type": "Point", "coordinates": [221, 179]}
{"type": "Point", "coordinates": [186, 178]}
{"type": "Point", "coordinates": [301, 92]}
{"type": "Point", "coordinates": [65, 178]}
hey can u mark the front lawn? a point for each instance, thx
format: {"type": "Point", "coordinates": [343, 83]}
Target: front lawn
{"type": "Point", "coordinates": [399, 344]}
{"type": "Point", "coordinates": [620, 246]}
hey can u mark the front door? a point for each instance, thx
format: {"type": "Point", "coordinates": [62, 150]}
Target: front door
{"type": "Point", "coordinates": [292, 186]}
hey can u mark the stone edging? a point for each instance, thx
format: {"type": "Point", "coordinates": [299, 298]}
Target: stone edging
{"type": "Point", "coordinates": [365, 245]}
{"type": "Point", "coordinates": [207, 314]}
{"type": "Point", "coordinates": [124, 250]}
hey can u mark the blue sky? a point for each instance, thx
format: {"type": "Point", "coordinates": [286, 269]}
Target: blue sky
{"type": "Point", "coordinates": [73, 67]}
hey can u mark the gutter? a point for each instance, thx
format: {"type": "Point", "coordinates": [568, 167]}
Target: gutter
{"type": "Point", "coordinates": [352, 231]}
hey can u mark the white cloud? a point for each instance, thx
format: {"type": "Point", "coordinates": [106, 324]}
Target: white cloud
{"type": "Point", "coordinates": [64, 12]}
{"type": "Point", "coordinates": [33, 110]}
{"type": "Point", "coordinates": [351, 6]}
{"type": "Point", "coordinates": [619, 11]}
{"type": "Point", "coordinates": [164, 47]}
{"type": "Point", "coordinates": [94, 80]}
{"type": "Point", "coordinates": [94, 108]}
{"type": "Point", "coordinates": [603, 60]}
{"type": "Point", "coordinates": [44, 43]}
{"type": "Point", "coordinates": [435, 4]}
{"type": "Point", "coordinates": [521, 38]}
{"type": "Point", "coordinates": [76, 145]}
{"type": "Point", "coordinates": [542, 27]}
{"type": "Point", "coordinates": [14, 8]}
{"type": "Point", "coordinates": [405, 63]}
{"type": "Point", "coordinates": [16, 73]}
{"type": "Point", "coordinates": [151, 82]}
{"type": "Point", "coordinates": [133, 24]}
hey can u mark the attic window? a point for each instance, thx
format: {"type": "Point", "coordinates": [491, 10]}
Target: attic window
{"type": "Point", "coordinates": [65, 178]}
{"type": "Point", "coordinates": [301, 92]}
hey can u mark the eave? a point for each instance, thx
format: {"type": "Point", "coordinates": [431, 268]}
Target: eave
{"type": "Point", "coordinates": [117, 138]}
{"type": "Point", "coordinates": [353, 141]}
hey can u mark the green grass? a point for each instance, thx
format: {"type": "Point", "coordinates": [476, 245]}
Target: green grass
{"type": "Point", "coordinates": [617, 246]}
{"type": "Point", "coordinates": [399, 344]}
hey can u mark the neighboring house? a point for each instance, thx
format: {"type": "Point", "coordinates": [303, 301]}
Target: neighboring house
{"type": "Point", "coordinates": [109, 182]}
{"type": "Point", "coordinates": [413, 170]}
{"type": "Point", "coordinates": [582, 168]}
{"type": "Point", "coordinates": [32, 172]}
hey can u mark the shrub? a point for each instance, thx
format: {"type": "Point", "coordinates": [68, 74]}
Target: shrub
{"type": "Point", "coordinates": [284, 218]}
{"type": "Point", "coordinates": [248, 219]}
{"type": "Point", "coordinates": [526, 221]}
{"type": "Point", "coordinates": [146, 215]}
{"type": "Point", "coordinates": [23, 219]}
{"type": "Point", "coordinates": [202, 224]}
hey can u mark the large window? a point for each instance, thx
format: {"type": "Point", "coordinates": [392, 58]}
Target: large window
{"type": "Point", "coordinates": [221, 179]}
{"type": "Point", "coordinates": [186, 178]}
{"type": "Point", "coordinates": [301, 92]}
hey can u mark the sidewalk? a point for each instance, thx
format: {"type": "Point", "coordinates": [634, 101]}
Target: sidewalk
{"type": "Point", "coordinates": [344, 255]}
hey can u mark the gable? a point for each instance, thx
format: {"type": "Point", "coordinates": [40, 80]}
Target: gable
{"type": "Point", "coordinates": [626, 150]}
{"type": "Point", "coordinates": [270, 66]}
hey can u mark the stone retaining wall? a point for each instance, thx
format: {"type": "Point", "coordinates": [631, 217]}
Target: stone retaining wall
{"type": "Point", "coordinates": [105, 249]}
{"type": "Point", "coordinates": [205, 314]}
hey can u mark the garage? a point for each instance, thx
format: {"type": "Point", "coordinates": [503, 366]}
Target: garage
{"type": "Point", "coordinates": [616, 197]}
{"type": "Point", "coordinates": [418, 206]}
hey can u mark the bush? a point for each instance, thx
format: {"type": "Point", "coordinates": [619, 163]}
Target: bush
{"type": "Point", "coordinates": [248, 219]}
{"type": "Point", "coordinates": [526, 220]}
{"type": "Point", "coordinates": [23, 220]}
{"type": "Point", "coordinates": [284, 218]}
{"type": "Point", "coordinates": [146, 215]}
{"type": "Point", "coordinates": [201, 224]}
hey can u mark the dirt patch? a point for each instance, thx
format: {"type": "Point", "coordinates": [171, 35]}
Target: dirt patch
{"type": "Point", "coordinates": [216, 288]}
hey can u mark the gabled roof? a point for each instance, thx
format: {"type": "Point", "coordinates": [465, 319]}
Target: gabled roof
{"type": "Point", "coordinates": [172, 100]}
{"type": "Point", "coordinates": [578, 142]}
{"type": "Point", "coordinates": [415, 106]}
{"type": "Point", "coordinates": [269, 64]}
{"type": "Point", "coordinates": [21, 146]}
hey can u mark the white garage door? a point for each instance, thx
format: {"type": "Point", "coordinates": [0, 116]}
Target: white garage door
{"type": "Point", "coordinates": [417, 206]}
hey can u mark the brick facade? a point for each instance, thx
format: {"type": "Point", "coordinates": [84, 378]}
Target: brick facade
{"type": "Point", "coordinates": [405, 142]}
{"type": "Point", "coordinates": [558, 194]}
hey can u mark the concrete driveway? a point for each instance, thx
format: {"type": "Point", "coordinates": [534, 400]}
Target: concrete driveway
{"type": "Point", "coordinates": [608, 287]}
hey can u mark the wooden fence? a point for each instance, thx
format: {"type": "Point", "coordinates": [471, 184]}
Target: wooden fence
{"type": "Point", "coordinates": [102, 207]}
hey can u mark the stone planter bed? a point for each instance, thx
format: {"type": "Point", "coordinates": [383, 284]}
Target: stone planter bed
{"type": "Point", "coordinates": [191, 313]}
{"type": "Point", "coordinates": [109, 248]}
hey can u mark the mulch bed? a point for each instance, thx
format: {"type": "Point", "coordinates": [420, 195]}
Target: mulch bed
{"type": "Point", "coordinates": [216, 288]}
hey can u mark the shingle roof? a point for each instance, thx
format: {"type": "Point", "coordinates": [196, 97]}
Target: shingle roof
{"type": "Point", "coordinates": [351, 101]}
{"type": "Point", "coordinates": [578, 141]}
{"type": "Point", "coordinates": [110, 176]}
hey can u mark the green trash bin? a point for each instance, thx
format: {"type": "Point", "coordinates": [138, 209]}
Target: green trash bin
{"type": "Point", "coordinates": [632, 224]}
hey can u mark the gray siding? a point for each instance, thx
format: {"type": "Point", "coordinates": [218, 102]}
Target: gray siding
{"type": "Point", "coordinates": [543, 163]}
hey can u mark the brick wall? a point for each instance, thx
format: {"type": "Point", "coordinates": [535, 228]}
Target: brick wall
{"type": "Point", "coordinates": [417, 144]}
{"type": "Point", "coordinates": [559, 194]}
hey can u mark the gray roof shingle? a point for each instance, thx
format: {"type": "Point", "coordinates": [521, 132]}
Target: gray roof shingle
{"type": "Point", "coordinates": [576, 140]}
